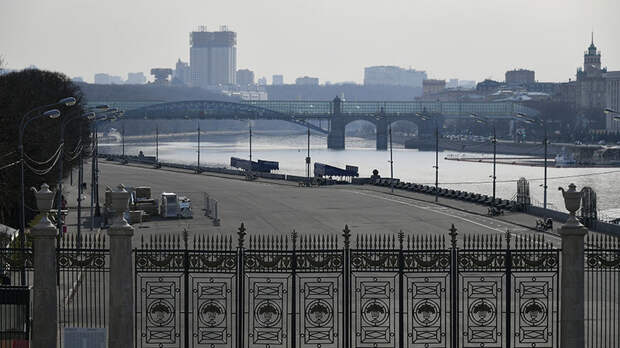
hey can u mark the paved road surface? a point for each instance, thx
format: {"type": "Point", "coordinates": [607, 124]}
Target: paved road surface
{"type": "Point", "coordinates": [277, 207]}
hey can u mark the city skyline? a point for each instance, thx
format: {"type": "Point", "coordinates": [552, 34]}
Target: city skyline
{"type": "Point", "coordinates": [552, 42]}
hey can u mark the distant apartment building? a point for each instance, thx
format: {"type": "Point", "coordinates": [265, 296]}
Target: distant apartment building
{"type": "Point", "coordinates": [307, 81]}
{"type": "Point", "coordinates": [612, 81]}
{"type": "Point", "coordinates": [452, 83]}
{"type": "Point", "coordinates": [102, 79]}
{"type": "Point", "coordinates": [393, 76]}
{"type": "Point", "coordinates": [432, 86]}
{"type": "Point", "coordinates": [262, 81]}
{"type": "Point", "coordinates": [460, 84]}
{"type": "Point", "coordinates": [181, 74]}
{"type": "Point", "coordinates": [277, 80]}
{"type": "Point", "coordinates": [245, 77]}
{"type": "Point", "coordinates": [77, 79]}
{"type": "Point", "coordinates": [213, 57]}
{"type": "Point", "coordinates": [467, 84]}
{"type": "Point", "coordinates": [136, 78]}
{"type": "Point", "coordinates": [520, 77]}
{"type": "Point", "coordinates": [105, 79]}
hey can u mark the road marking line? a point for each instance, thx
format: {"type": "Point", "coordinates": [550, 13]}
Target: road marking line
{"type": "Point", "coordinates": [447, 214]}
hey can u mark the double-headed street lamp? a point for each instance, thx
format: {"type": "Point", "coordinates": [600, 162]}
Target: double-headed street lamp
{"type": "Point", "coordinates": [110, 114]}
{"type": "Point", "coordinates": [484, 120]}
{"type": "Point", "coordinates": [425, 117]}
{"type": "Point", "coordinates": [53, 114]}
{"type": "Point", "coordinates": [90, 116]}
{"type": "Point", "coordinates": [539, 122]}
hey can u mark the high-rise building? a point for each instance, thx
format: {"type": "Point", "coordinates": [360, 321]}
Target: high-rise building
{"type": "Point", "coordinates": [262, 81]}
{"type": "Point", "coordinates": [181, 74]}
{"type": "Point", "coordinates": [213, 57]}
{"type": "Point", "coordinates": [590, 87]}
{"type": "Point", "coordinates": [612, 81]}
{"type": "Point", "coordinates": [245, 77]}
{"type": "Point", "coordinates": [136, 78]}
{"type": "Point", "coordinates": [307, 80]}
{"type": "Point", "coordinates": [277, 80]}
{"type": "Point", "coordinates": [393, 76]}
{"type": "Point", "coordinates": [77, 79]}
{"type": "Point", "coordinates": [520, 77]}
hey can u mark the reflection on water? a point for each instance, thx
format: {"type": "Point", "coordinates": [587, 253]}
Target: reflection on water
{"type": "Point", "coordinates": [409, 165]}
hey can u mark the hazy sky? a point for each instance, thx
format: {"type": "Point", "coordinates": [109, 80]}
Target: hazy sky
{"type": "Point", "coordinates": [330, 39]}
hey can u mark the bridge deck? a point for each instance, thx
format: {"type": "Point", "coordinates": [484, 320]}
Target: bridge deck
{"type": "Point", "coordinates": [285, 110]}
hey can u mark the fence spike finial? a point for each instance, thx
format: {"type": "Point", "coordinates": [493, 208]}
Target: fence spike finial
{"type": "Point", "coordinates": [453, 235]}
{"type": "Point", "coordinates": [401, 239]}
{"type": "Point", "coordinates": [241, 235]}
{"type": "Point", "coordinates": [346, 233]}
{"type": "Point", "coordinates": [508, 237]}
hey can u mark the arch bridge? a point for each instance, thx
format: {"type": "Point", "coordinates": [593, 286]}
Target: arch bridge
{"type": "Point", "coordinates": [337, 113]}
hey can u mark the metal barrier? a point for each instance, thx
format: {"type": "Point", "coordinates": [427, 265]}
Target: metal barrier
{"type": "Point", "coordinates": [14, 313]}
{"type": "Point", "coordinates": [83, 266]}
{"type": "Point", "coordinates": [383, 291]}
{"type": "Point", "coordinates": [602, 291]}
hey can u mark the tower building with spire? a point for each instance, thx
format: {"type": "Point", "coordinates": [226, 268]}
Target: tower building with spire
{"type": "Point", "coordinates": [590, 87]}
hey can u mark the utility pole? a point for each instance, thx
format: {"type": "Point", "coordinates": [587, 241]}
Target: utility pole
{"type": "Point", "coordinates": [436, 161]}
{"type": "Point", "coordinates": [156, 144]}
{"type": "Point", "coordinates": [250, 164]}
{"type": "Point", "coordinates": [79, 200]}
{"type": "Point", "coordinates": [123, 137]}
{"type": "Point", "coordinates": [308, 161]}
{"type": "Point", "coordinates": [494, 162]}
{"type": "Point", "coordinates": [198, 167]}
{"type": "Point", "coordinates": [545, 183]}
{"type": "Point", "coordinates": [391, 160]}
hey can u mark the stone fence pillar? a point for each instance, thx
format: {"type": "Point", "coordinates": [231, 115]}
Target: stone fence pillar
{"type": "Point", "coordinates": [572, 307]}
{"type": "Point", "coordinates": [121, 288]}
{"type": "Point", "coordinates": [44, 295]}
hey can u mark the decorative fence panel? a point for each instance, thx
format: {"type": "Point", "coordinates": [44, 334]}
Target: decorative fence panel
{"type": "Point", "coordinates": [83, 276]}
{"type": "Point", "coordinates": [384, 292]}
{"type": "Point", "coordinates": [602, 291]}
{"type": "Point", "coordinates": [16, 266]}
{"type": "Point", "coordinates": [186, 297]}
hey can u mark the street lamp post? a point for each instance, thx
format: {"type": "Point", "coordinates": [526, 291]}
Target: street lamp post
{"type": "Point", "coordinates": [391, 160]}
{"type": "Point", "coordinates": [123, 139]}
{"type": "Point", "coordinates": [543, 124]}
{"type": "Point", "coordinates": [157, 144]}
{"type": "Point", "coordinates": [308, 161]}
{"type": "Point", "coordinates": [486, 121]}
{"type": "Point", "coordinates": [90, 116]}
{"type": "Point", "coordinates": [53, 113]}
{"type": "Point", "coordinates": [425, 117]}
{"type": "Point", "coordinates": [198, 166]}
{"type": "Point", "coordinates": [249, 169]}
{"type": "Point", "coordinates": [111, 115]}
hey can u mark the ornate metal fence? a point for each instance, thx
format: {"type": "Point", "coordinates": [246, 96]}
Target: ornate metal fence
{"type": "Point", "coordinates": [83, 275]}
{"type": "Point", "coordinates": [368, 291]}
{"type": "Point", "coordinates": [602, 291]}
{"type": "Point", "coordinates": [16, 266]}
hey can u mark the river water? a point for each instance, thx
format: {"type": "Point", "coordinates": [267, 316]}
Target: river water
{"type": "Point", "coordinates": [409, 165]}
